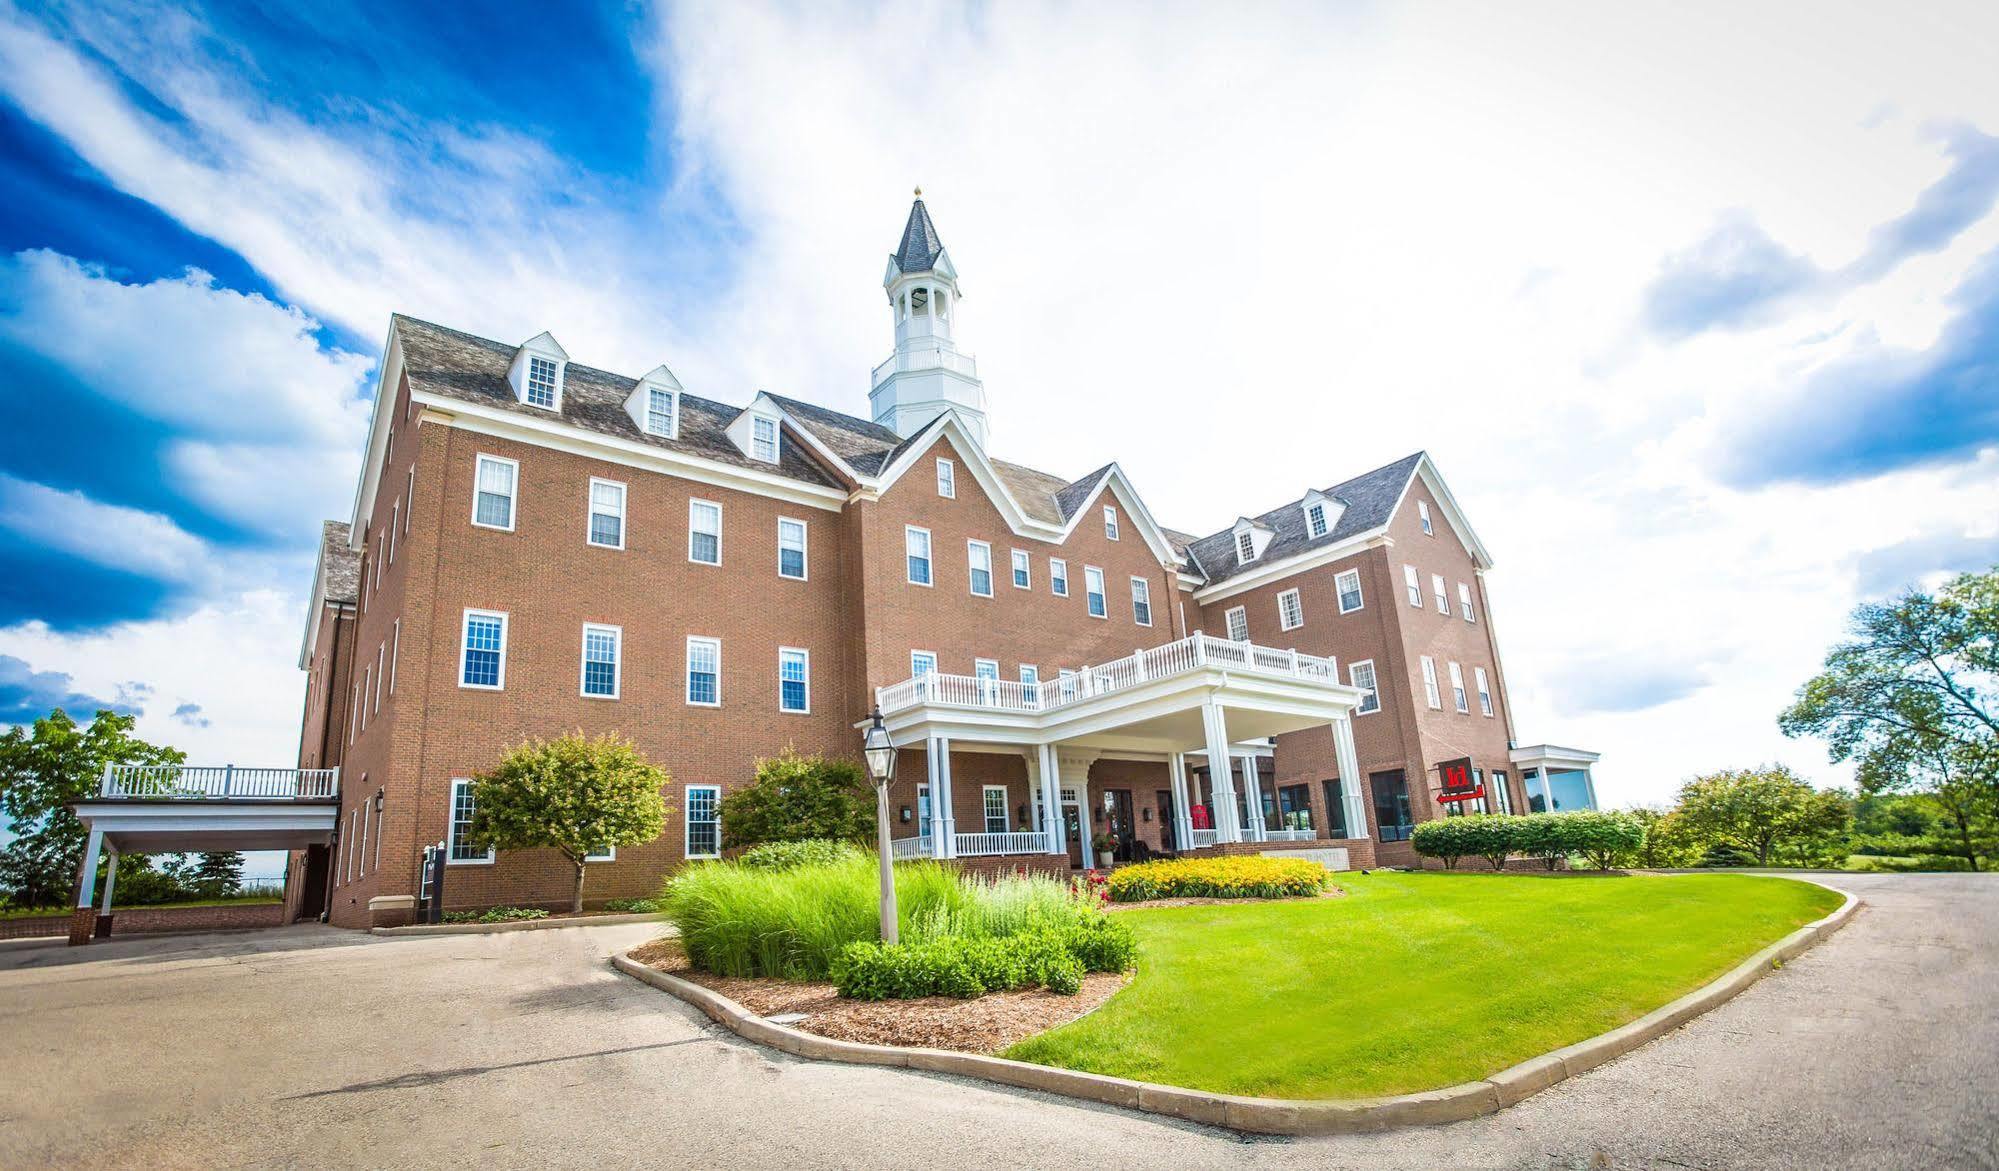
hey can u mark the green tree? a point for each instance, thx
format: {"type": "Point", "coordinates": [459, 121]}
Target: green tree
{"type": "Point", "coordinates": [42, 769]}
{"type": "Point", "coordinates": [218, 875]}
{"type": "Point", "coordinates": [1664, 843]}
{"type": "Point", "coordinates": [796, 797]}
{"type": "Point", "coordinates": [576, 796]}
{"type": "Point", "coordinates": [1759, 810]}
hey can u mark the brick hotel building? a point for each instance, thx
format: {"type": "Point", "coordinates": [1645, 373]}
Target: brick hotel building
{"type": "Point", "coordinates": [538, 545]}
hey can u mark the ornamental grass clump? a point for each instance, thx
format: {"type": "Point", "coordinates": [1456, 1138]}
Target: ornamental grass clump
{"type": "Point", "coordinates": [1246, 877]}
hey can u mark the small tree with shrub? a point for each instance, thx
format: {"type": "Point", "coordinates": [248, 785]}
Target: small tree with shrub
{"type": "Point", "coordinates": [797, 797]}
{"type": "Point", "coordinates": [1490, 836]}
{"type": "Point", "coordinates": [569, 794]}
{"type": "Point", "coordinates": [1602, 838]}
{"type": "Point", "coordinates": [1444, 839]}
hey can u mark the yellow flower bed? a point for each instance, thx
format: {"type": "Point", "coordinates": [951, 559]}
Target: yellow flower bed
{"type": "Point", "coordinates": [1244, 877]}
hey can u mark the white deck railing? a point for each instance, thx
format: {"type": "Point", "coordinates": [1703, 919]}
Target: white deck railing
{"type": "Point", "coordinates": [973, 845]}
{"type": "Point", "coordinates": [1291, 835]}
{"type": "Point", "coordinates": [1204, 837]}
{"type": "Point", "coordinates": [1195, 652]}
{"type": "Point", "coordinates": [902, 849]}
{"type": "Point", "coordinates": [180, 782]}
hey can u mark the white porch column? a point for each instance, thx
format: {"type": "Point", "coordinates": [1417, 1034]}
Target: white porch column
{"type": "Point", "coordinates": [110, 879]}
{"type": "Point", "coordinates": [1350, 778]}
{"type": "Point", "coordinates": [1220, 770]}
{"type": "Point", "coordinates": [1252, 788]}
{"type": "Point", "coordinates": [932, 758]}
{"type": "Point", "coordinates": [1183, 816]}
{"type": "Point", "coordinates": [946, 844]}
{"type": "Point", "coordinates": [1051, 798]}
{"type": "Point", "coordinates": [86, 880]}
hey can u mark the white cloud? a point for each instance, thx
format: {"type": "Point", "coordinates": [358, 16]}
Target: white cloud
{"type": "Point", "coordinates": [109, 535]}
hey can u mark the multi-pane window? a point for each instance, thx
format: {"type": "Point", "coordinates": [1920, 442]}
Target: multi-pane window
{"type": "Point", "coordinates": [1430, 694]}
{"type": "Point", "coordinates": [1336, 810]}
{"type": "Point", "coordinates": [704, 532]}
{"type": "Point", "coordinates": [763, 438]}
{"type": "Point", "coordinates": [1315, 520]}
{"type": "Point", "coordinates": [1500, 799]}
{"type": "Point", "coordinates": [1237, 620]}
{"type": "Point", "coordinates": [410, 495]}
{"type": "Point", "coordinates": [601, 646]}
{"type": "Point", "coordinates": [1443, 595]}
{"type": "Point", "coordinates": [980, 556]}
{"type": "Point", "coordinates": [493, 495]}
{"type": "Point", "coordinates": [794, 680]}
{"type": "Point", "coordinates": [607, 514]}
{"type": "Point", "coordinates": [916, 551]}
{"type": "Point", "coordinates": [1141, 601]}
{"type": "Point", "coordinates": [704, 821]}
{"type": "Point", "coordinates": [541, 383]}
{"type": "Point", "coordinates": [1464, 602]}
{"type": "Point", "coordinates": [1294, 806]}
{"type": "Point", "coordinates": [463, 850]}
{"type": "Point", "coordinates": [704, 672]}
{"type": "Point", "coordinates": [995, 809]}
{"type": "Point", "coordinates": [1030, 682]}
{"type": "Point", "coordinates": [1093, 586]}
{"type": "Point", "coordinates": [1066, 681]}
{"type": "Point", "coordinates": [922, 663]}
{"type": "Point", "coordinates": [1348, 586]}
{"type": "Point", "coordinates": [485, 662]}
{"type": "Point", "coordinates": [1022, 578]}
{"type": "Point", "coordinates": [947, 479]}
{"type": "Point", "coordinates": [1110, 522]}
{"type": "Point", "coordinates": [1413, 584]}
{"type": "Point", "coordinates": [1458, 688]}
{"type": "Point", "coordinates": [1423, 514]}
{"type": "Point", "coordinates": [1245, 547]}
{"type": "Point", "coordinates": [1484, 691]}
{"type": "Point", "coordinates": [1058, 577]}
{"type": "Point", "coordinates": [791, 548]}
{"type": "Point", "coordinates": [1290, 610]}
{"type": "Point", "coordinates": [1361, 675]}
{"type": "Point", "coordinates": [659, 412]}
{"type": "Point", "coordinates": [986, 671]}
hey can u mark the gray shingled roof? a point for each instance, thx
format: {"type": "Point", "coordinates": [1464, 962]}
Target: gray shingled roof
{"type": "Point", "coordinates": [1072, 497]}
{"type": "Point", "coordinates": [474, 369]}
{"type": "Point", "coordinates": [1369, 499]}
{"type": "Point", "coordinates": [339, 566]}
{"type": "Point", "coordinates": [1036, 492]}
{"type": "Point", "coordinates": [864, 445]}
{"type": "Point", "coordinates": [920, 245]}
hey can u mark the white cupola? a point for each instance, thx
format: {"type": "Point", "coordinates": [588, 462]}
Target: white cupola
{"type": "Point", "coordinates": [927, 375]}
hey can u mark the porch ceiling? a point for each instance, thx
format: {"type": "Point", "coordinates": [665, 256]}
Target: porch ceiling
{"type": "Point", "coordinates": [166, 827]}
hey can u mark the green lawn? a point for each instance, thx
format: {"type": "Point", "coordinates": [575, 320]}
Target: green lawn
{"type": "Point", "coordinates": [1414, 981]}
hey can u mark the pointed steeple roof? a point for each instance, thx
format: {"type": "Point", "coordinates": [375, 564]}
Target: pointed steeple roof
{"type": "Point", "coordinates": [920, 245]}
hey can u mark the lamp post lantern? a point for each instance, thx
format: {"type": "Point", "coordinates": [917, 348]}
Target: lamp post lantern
{"type": "Point", "coordinates": [879, 753]}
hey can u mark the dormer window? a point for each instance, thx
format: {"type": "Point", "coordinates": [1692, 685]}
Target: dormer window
{"type": "Point", "coordinates": [763, 439]}
{"type": "Point", "coordinates": [1245, 547]}
{"type": "Point", "coordinates": [1315, 519]}
{"type": "Point", "coordinates": [660, 406]}
{"type": "Point", "coordinates": [1110, 523]}
{"type": "Point", "coordinates": [542, 375]}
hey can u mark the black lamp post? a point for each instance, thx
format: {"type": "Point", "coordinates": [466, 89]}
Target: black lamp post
{"type": "Point", "coordinates": [879, 753]}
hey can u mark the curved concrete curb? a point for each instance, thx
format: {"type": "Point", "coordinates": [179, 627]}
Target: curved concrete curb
{"type": "Point", "coordinates": [1267, 1115]}
{"type": "Point", "coordinates": [517, 925]}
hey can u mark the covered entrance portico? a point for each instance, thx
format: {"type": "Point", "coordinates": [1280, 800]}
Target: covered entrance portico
{"type": "Point", "coordinates": [1104, 749]}
{"type": "Point", "coordinates": [178, 809]}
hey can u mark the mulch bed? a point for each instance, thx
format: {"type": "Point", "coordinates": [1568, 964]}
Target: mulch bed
{"type": "Point", "coordinates": [1331, 892]}
{"type": "Point", "coordinates": [986, 1025]}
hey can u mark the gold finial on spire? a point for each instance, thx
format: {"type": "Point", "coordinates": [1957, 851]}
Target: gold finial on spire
{"type": "Point", "coordinates": [919, 193]}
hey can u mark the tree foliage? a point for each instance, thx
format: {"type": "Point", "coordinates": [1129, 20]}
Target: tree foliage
{"type": "Point", "coordinates": [797, 797]}
{"type": "Point", "coordinates": [1765, 812]}
{"type": "Point", "coordinates": [570, 794]}
{"type": "Point", "coordinates": [43, 768]}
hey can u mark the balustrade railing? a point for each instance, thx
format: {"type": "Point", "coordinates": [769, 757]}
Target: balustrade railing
{"type": "Point", "coordinates": [987, 845]}
{"type": "Point", "coordinates": [180, 782]}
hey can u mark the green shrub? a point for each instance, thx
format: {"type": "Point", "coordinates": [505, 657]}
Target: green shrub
{"type": "Point", "coordinates": [1602, 838]}
{"type": "Point", "coordinates": [967, 967]}
{"type": "Point", "coordinates": [1101, 944]}
{"type": "Point", "coordinates": [797, 797]}
{"type": "Point", "coordinates": [632, 906]}
{"type": "Point", "coordinates": [495, 915]}
{"type": "Point", "coordinates": [1445, 839]}
{"type": "Point", "coordinates": [788, 855]}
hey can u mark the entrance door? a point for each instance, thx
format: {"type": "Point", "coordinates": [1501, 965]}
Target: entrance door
{"type": "Point", "coordinates": [1122, 822]}
{"type": "Point", "coordinates": [1165, 805]}
{"type": "Point", "coordinates": [1072, 829]}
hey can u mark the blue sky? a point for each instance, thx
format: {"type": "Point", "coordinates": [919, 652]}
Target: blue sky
{"type": "Point", "coordinates": [1701, 327]}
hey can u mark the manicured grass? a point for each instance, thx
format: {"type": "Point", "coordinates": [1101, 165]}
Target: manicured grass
{"type": "Point", "coordinates": [1414, 981]}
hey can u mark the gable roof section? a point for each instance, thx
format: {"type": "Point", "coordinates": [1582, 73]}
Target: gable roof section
{"type": "Point", "coordinates": [863, 446]}
{"type": "Point", "coordinates": [1370, 500]}
{"type": "Point", "coordinates": [336, 577]}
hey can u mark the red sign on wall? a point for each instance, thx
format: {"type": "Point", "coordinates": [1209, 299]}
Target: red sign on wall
{"type": "Point", "coordinates": [1459, 783]}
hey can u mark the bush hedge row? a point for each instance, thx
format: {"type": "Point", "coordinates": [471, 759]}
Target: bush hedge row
{"type": "Point", "coordinates": [1600, 838]}
{"type": "Point", "coordinates": [1044, 957]}
{"type": "Point", "coordinates": [790, 855]}
{"type": "Point", "coordinates": [1244, 877]}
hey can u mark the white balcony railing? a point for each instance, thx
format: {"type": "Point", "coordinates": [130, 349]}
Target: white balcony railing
{"type": "Point", "coordinates": [903, 849]}
{"type": "Point", "coordinates": [1291, 835]}
{"type": "Point", "coordinates": [1204, 837]}
{"type": "Point", "coordinates": [1189, 654]}
{"type": "Point", "coordinates": [987, 845]}
{"type": "Point", "coordinates": [180, 782]}
{"type": "Point", "coordinates": [924, 357]}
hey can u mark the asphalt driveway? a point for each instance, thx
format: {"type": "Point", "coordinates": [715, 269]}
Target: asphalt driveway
{"type": "Point", "coordinates": [310, 1046]}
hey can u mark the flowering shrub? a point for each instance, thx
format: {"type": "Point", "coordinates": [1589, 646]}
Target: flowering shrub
{"type": "Point", "coordinates": [1246, 877]}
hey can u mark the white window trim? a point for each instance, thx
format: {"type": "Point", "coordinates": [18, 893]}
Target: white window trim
{"type": "Point", "coordinates": [687, 823]}
{"type": "Point", "coordinates": [1353, 679]}
{"type": "Point", "coordinates": [1340, 593]}
{"type": "Point", "coordinates": [915, 655]}
{"type": "Point", "coordinates": [1423, 515]}
{"type": "Point", "coordinates": [1110, 523]}
{"type": "Point", "coordinates": [1058, 583]}
{"type": "Point", "coordinates": [947, 479]}
{"type": "Point", "coordinates": [1101, 591]}
{"type": "Point", "coordinates": [971, 567]}
{"type": "Point", "coordinates": [1316, 509]}
{"type": "Point", "coordinates": [1245, 547]}
{"type": "Point", "coordinates": [1141, 590]}
{"type": "Point", "coordinates": [929, 555]}
{"type": "Point", "coordinates": [776, 448]}
{"type": "Point", "coordinates": [1006, 810]}
{"type": "Point", "coordinates": [693, 504]}
{"type": "Point", "coordinates": [672, 413]}
{"type": "Point", "coordinates": [395, 652]}
{"type": "Point", "coordinates": [1460, 699]}
{"type": "Point", "coordinates": [1412, 584]}
{"type": "Point", "coordinates": [806, 655]}
{"type": "Point", "coordinates": [367, 679]}
{"type": "Point", "coordinates": [1020, 563]}
{"type": "Point", "coordinates": [464, 631]}
{"type": "Point", "coordinates": [804, 549]}
{"type": "Point", "coordinates": [590, 512]}
{"type": "Point", "coordinates": [1465, 608]}
{"type": "Point", "coordinates": [1284, 621]}
{"type": "Point", "coordinates": [617, 660]}
{"type": "Point", "coordinates": [513, 499]}
{"type": "Point", "coordinates": [1229, 620]}
{"type": "Point", "coordinates": [451, 821]}
{"type": "Point", "coordinates": [687, 673]}
{"type": "Point", "coordinates": [381, 672]}
{"type": "Point", "coordinates": [610, 854]}
{"type": "Point", "coordinates": [1484, 691]}
{"type": "Point", "coordinates": [410, 495]}
{"type": "Point", "coordinates": [555, 383]}
{"type": "Point", "coordinates": [395, 522]}
{"type": "Point", "coordinates": [1431, 694]}
{"type": "Point", "coordinates": [1441, 590]}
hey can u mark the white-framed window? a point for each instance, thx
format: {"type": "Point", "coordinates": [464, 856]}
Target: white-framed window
{"type": "Point", "coordinates": [1484, 691]}
{"type": "Point", "coordinates": [395, 522]}
{"type": "Point", "coordinates": [1110, 523]}
{"type": "Point", "coordinates": [994, 804]}
{"type": "Point", "coordinates": [986, 672]}
{"type": "Point", "coordinates": [1141, 601]}
{"type": "Point", "coordinates": [1430, 693]}
{"type": "Point", "coordinates": [1066, 683]}
{"type": "Point", "coordinates": [361, 869]}
{"type": "Point", "coordinates": [794, 679]}
{"type": "Point", "coordinates": [354, 715]}
{"type": "Point", "coordinates": [603, 650]}
{"type": "Point", "coordinates": [704, 532]}
{"type": "Point", "coordinates": [763, 438]}
{"type": "Point", "coordinates": [1237, 621]}
{"type": "Point", "coordinates": [1413, 584]}
{"type": "Point", "coordinates": [367, 678]}
{"type": "Point", "coordinates": [1361, 675]}
{"type": "Point", "coordinates": [922, 663]}
{"type": "Point", "coordinates": [381, 671]}
{"type": "Point", "coordinates": [947, 479]}
{"type": "Point", "coordinates": [704, 671]}
{"type": "Point", "coordinates": [791, 548]}
{"type": "Point", "coordinates": [1093, 588]}
{"type": "Point", "coordinates": [493, 492]}
{"type": "Point", "coordinates": [916, 552]}
{"type": "Point", "coordinates": [607, 854]}
{"type": "Point", "coordinates": [1245, 547]}
{"type": "Point", "coordinates": [661, 412]}
{"type": "Point", "coordinates": [1464, 603]}
{"type": "Point", "coordinates": [484, 662]}
{"type": "Point", "coordinates": [1458, 698]}
{"type": "Point", "coordinates": [704, 822]}
{"type": "Point", "coordinates": [395, 652]}
{"type": "Point", "coordinates": [1501, 797]}
{"type": "Point", "coordinates": [1058, 577]}
{"type": "Point", "coordinates": [463, 852]}
{"type": "Point", "coordinates": [979, 555]}
{"type": "Point", "coordinates": [1290, 610]}
{"type": "Point", "coordinates": [410, 495]}
{"type": "Point", "coordinates": [1443, 594]}
{"type": "Point", "coordinates": [1030, 681]}
{"type": "Point", "coordinates": [1023, 574]}
{"type": "Point", "coordinates": [541, 382]}
{"type": "Point", "coordinates": [607, 514]}
{"type": "Point", "coordinates": [1423, 514]}
{"type": "Point", "coordinates": [1348, 587]}
{"type": "Point", "coordinates": [1315, 519]}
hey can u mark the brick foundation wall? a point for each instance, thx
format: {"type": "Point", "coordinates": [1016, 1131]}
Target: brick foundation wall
{"type": "Point", "coordinates": [40, 925]}
{"type": "Point", "coordinates": [146, 920]}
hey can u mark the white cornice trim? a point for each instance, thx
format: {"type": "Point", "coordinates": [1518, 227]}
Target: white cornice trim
{"type": "Point", "coordinates": [1268, 572]}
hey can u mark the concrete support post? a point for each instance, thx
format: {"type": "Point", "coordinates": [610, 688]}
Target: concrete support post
{"type": "Point", "coordinates": [1220, 778]}
{"type": "Point", "coordinates": [1051, 798]}
{"type": "Point", "coordinates": [1351, 782]}
{"type": "Point", "coordinates": [86, 880]}
{"type": "Point", "coordinates": [110, 880]}
{"type": "Point", "coordinates": [1183, 815]}
{"type": "Point", "coordinates": [1257, 829]}
{"type": "Point", "coordinates": [936, 826]}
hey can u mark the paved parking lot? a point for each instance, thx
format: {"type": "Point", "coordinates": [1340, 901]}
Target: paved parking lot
{"type": "Point", "coordinates": [310, 1046]}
